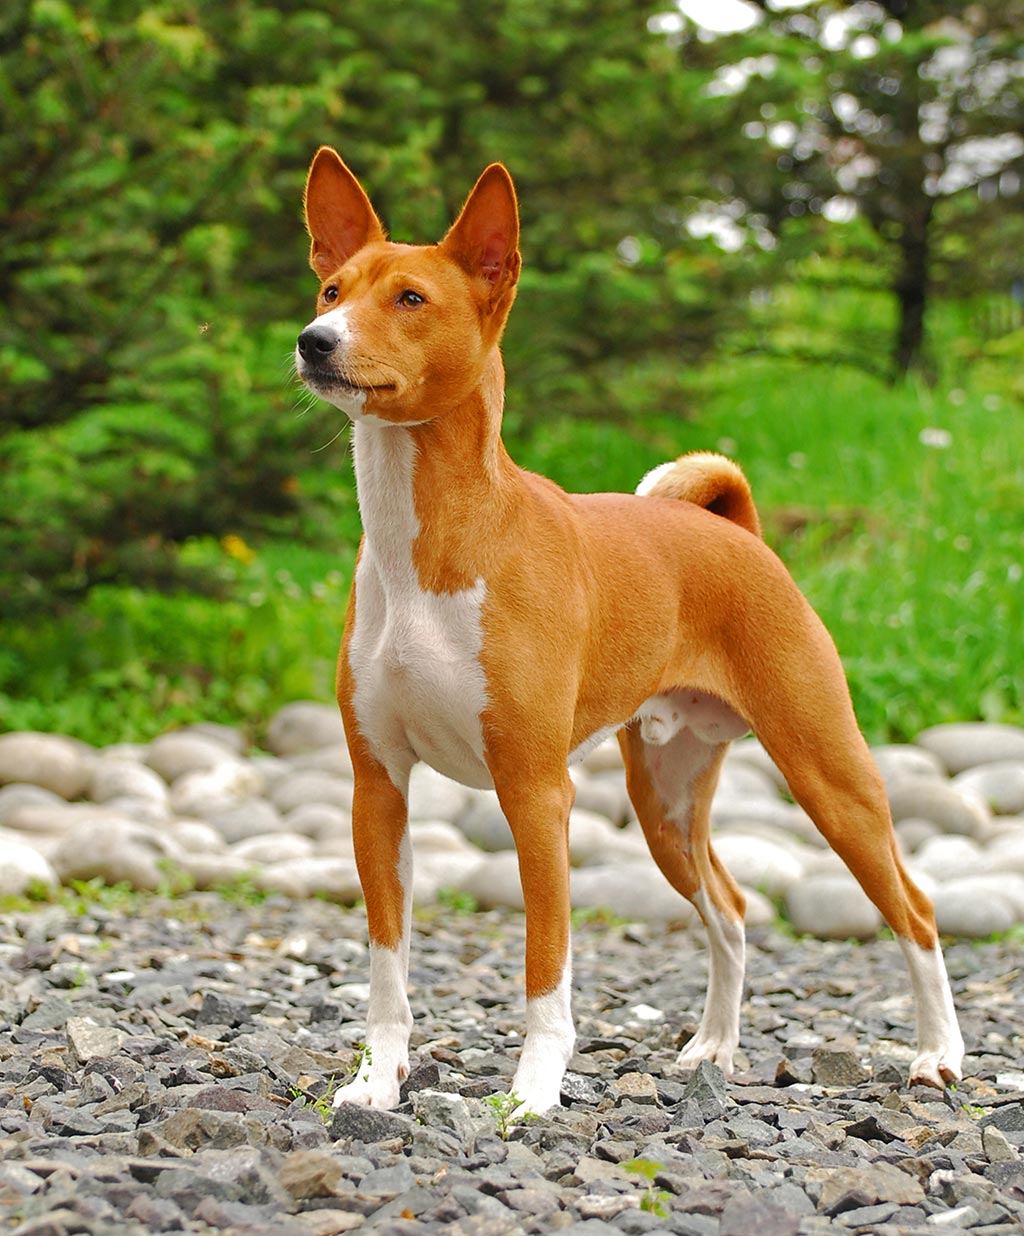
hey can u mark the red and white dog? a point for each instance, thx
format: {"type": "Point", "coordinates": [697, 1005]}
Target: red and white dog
{"type": "Point", "coordinates": [498, 628]}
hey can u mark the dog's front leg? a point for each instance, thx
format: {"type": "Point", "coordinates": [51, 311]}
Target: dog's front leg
{"type": "Point", "coordinates": [384, 857]}
{"type": "Point", "coordinates": [538, 814]}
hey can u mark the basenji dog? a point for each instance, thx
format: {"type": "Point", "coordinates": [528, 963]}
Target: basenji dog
{"type": "Point", "coordinates": [498, 628]}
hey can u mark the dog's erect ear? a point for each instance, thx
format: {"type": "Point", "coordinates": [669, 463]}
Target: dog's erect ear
{"type": "Point", "coordinates": [484, 239]}
{"type": "Point", "coordinates": [339, 217]}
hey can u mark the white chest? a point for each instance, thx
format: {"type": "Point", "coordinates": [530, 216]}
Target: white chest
{"type": "Point", "coordinates": [414, 654]}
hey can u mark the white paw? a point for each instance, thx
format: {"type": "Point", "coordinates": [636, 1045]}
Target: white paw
{"type": "Point", "coordinates": [373, 1088]}
{"type": "Point", "coordinates": [938, 1068]}
{"type": "Point", "coordinates": [700, 1048]}
{"type": "Point", "coordinates": [536, 1102]}
{"type": "Point", "coordinates": [538, 1087]}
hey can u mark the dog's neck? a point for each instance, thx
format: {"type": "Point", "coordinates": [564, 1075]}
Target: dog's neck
{"type": "Point", "coordinates": [426, 490]}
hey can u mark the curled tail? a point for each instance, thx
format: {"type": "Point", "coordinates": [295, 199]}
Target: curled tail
{"type": "Point", "coordinates": [710, 481]}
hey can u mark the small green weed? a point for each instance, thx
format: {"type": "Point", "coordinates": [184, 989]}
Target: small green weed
{"type": "Point", "coordinates": [971, 1110]}
{"type": "Point", "coordinates": [322, 1104]}
{"type": "Point", "coordinates": [361, 1064]}
{"type": "Point", "coordinates": [80, 977]}
{"type": "Point", "coordinates": [242, 890]}
{"type": "Point", "coordinates": [77, 897]}
{"type": "Point", "coordinates": [503, 1109]}
{"type": "Point", "coordinates": [598, 916]}
{"type": "Point", "coordinates": [652, 1200]}
{"type": "Point", "coordinates": [82, 895]}
{"type": "Point", "coordinates": [456, 901]}
{"type": "Point", "coordinates": [175, 881]}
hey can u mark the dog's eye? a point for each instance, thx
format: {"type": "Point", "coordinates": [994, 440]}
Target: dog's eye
{"type": "Point", "coordinates": [330, 294]}
{"type": "Point", "coordinates": [411, 300]}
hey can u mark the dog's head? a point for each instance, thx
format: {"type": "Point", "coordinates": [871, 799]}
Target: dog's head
{"type": "Point", "coordinates": [403, 332]}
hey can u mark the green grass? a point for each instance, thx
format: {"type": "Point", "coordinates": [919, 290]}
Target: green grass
{"type": "Point", "coordinates": [79, 897]}
{"type": "Point", "coordinates": [912, 553]}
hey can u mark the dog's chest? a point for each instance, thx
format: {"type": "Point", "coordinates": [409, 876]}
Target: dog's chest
{"type": "Point", "coordinates": [414, 654]}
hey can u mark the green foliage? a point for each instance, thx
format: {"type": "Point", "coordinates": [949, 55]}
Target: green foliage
{"type": "Point", "coordinates": [911, 113]}
{"type": "Point", "coordinates": [457, 902]}
{"type": "Point", "coordinates": [153, 280]}
{"type": "Point", "coordinates": [128, 663]}
{"type": "Point", "coordinates": [322, 1103]}
{"type": "Point", "coordinates": [505, 1110]}
{"type": "Point", "coordinates": [651, 1200]}
{"type": "Point", "coordinates": [911, 553]}
{"type": "Point", "coordinates": [153, 262]}
{"type": "Point", "coordinates": [361, 1064]}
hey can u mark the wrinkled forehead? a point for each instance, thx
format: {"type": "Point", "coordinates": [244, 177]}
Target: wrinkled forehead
{"type": "Point", "coordinates": [383, 263]}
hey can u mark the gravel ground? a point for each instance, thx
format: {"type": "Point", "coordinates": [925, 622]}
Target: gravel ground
{"type": "Point", "coordinates": [162, 1066]}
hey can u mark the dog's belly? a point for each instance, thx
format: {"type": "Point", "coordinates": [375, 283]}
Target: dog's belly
{"type": "Point", "coordinates": [419, 685]}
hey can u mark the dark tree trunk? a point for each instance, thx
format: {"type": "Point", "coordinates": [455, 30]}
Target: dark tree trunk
{"type": "Point", "coordinates": [911, 288]}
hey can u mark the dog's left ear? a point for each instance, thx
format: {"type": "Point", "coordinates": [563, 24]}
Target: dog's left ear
{"type": "Point", "coordinates": [484, 239]}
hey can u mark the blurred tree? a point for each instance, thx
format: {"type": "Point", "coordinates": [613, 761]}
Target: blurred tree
{"type": "Point", "coordinates": [133, 409]}
{"type": "Point", "coordinates": [909, 111]}
{"type": "Point", "coordinates": [152, 274]}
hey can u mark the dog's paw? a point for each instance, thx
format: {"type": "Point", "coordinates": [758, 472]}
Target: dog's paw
{"type": "Point", "coordinates": [937, 1068]}
{"type": "Point", "coordinates": [373, 1087]}
{"type": "Point", "coordinates": [370, 1093]}
{"type": "Point", "coordinates": [538, 1088]}
{"type": "Point", "coordinates": [700, 1049]}
{"type": "Point", "coordinates": [536, 1102]}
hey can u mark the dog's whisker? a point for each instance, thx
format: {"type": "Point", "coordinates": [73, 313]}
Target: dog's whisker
{"type": "Point", "coordinates": [317, 449]}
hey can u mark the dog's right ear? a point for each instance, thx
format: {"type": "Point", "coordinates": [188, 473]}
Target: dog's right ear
{"type": "Point", "coordinates": [339, 217]}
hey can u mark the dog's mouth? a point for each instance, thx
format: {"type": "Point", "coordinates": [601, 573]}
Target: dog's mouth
{"type": "Point", "coordinates": [324, 381]}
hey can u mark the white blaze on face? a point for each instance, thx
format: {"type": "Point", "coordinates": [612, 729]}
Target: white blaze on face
{"type": "Point", "coordinates": [350, 402]}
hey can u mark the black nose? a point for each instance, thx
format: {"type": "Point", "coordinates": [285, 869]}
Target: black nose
{"type": "Point", "coordinates": [316, 343]}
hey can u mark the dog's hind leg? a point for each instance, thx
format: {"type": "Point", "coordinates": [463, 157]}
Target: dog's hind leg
{"type": "Point", "coordinates": [671, 786]}
{"type": "Point", "coordinates": [796, 698]}
{"type": "Point", "coordinates": [844, 795]}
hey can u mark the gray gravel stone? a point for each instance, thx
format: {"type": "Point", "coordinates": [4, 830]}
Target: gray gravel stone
{"type": "Point", "coordinates": [213, 1111]}
{"type": "Point", "coordinates": [88, 1041]}
{"type": "Point", "coordinates": [707, 1088]}
{"type": "Point", "coordinates": [364, 1124]}
{"type": "Point", "coordinates": [837, 1066]}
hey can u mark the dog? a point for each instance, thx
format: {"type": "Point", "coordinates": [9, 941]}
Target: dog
{"type": "Point", "coordinates": [499, 628]}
